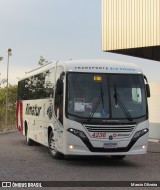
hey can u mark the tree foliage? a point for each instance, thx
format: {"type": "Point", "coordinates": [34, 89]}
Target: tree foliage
{"type": "Point", "coordinates": [1, 58]}
{"type": "Point", "coordinates": [12, 96]}
{"type": "Point", "coordinates": [42, 61]}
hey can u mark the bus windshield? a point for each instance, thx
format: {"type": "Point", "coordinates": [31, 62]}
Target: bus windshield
{"type": "Point", "coordinates": [107, 96]}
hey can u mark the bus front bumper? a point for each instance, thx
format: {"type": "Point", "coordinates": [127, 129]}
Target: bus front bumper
{"type": "Point", "coordinates": [79, 146]}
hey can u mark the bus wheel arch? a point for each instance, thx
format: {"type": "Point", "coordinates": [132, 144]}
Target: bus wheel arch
{"type": "Point", "coordinates": [29, 141]}
{"type": "Point", "coordinates": [52, 146]}
{"type": "Point", "coordinates": [49, 131]}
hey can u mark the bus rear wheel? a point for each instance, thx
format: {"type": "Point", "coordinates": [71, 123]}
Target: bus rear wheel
{"type": "Point", "coordinates": [52, 147]}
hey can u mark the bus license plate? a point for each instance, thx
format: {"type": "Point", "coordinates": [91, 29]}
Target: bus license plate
{"type": "Point", "coordinates": [110, 145]}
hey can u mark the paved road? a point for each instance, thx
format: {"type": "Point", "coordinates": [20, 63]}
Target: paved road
{"type": "Point", "coordinates": [19, 162]}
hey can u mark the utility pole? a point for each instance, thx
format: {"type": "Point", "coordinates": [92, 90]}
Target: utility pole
{"type": "Point", "coordinates": [9, 51]}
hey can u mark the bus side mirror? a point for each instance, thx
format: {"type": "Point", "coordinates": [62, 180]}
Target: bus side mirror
{"type": "Point", "coordinates": [148, 90]}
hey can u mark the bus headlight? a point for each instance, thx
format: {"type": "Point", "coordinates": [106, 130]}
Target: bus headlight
{"type": "Point", "coordinates": [78, 133]}
{"type": "Point", "coordinates": [140, 133]}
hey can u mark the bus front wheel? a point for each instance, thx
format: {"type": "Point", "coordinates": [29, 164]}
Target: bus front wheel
{"type": "Point", "coordinates": [52, 147]}
{"type": "Point", "coordinates": [29, 141]}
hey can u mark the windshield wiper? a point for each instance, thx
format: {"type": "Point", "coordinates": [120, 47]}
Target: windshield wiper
{"type": "Point", "coordinates": [115, 95]}
{"type": "Point", "coordinates": [100, 98]}
{"type": "Point", "coordinates": [120, 102]}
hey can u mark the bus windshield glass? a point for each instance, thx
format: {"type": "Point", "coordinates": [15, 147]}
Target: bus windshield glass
{"type": "Point", "coordinates": [107, 96]}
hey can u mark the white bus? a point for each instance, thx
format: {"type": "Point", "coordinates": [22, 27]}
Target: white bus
{"type": "Point", "coordinates": [85, 107]}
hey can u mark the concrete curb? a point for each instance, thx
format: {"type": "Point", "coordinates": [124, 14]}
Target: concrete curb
{"type": "Point", "coordinates": [154, 140]}
{"type": "Point", "coordinates": [6, 132]}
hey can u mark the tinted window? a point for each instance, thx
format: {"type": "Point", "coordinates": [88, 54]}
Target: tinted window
{"type": "Point", "coordinates": [39, 86]}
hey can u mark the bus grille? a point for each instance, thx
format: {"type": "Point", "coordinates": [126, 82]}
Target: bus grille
{"type": "Point", "coordinates": [110, 129]}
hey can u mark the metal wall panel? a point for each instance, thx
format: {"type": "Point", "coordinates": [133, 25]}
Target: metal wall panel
{"type": "Point", "coordinates": [130, 24]}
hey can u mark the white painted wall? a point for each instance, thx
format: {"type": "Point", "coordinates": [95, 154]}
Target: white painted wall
{"type": "Point", "coordinates": [154, 110]}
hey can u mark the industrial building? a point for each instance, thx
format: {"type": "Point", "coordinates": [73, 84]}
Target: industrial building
{"type": "Point", "coordinates": [131, 27]}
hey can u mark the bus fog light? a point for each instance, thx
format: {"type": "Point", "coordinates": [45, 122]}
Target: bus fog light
{"type": "Point", "coordinates": [71, 147]}
{"type": "Point", "coordinates": [144, 147]}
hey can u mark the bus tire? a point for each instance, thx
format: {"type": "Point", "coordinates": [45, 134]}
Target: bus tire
{"type": "Point", "coordinates": [52, 149]}
{"type": "Point", "coordinates": [118, 157]}
{"type": "Point", "coordinates": [29, 141]}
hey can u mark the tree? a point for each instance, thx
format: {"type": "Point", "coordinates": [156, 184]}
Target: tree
{"type": "Point", "coordinates": [12, 96]}
{"type": "Point", "coordinates": [42, 61]}
{"type": "Point", "coordinates": [1, 58]}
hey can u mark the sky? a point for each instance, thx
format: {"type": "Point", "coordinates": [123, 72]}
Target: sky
{"type": "Point", "coordinates": [56, 30]}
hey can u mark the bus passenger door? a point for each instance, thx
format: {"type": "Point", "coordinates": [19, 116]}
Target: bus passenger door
{"type": "Point", "coordinates": [58, 107]}
{"type": "Point", "coordinates": [58, 103]}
